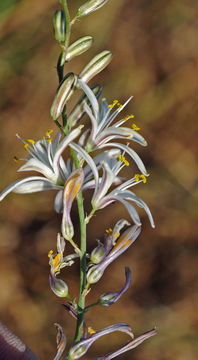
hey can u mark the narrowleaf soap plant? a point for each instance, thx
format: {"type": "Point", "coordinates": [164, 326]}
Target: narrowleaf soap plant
{"type": "Point", "coordinates": [97, 155]}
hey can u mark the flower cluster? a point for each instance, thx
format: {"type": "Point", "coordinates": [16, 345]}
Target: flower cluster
{"type": "Point", "coordinates": [81, 157]}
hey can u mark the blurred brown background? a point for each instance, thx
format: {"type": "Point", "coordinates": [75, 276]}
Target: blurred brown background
{"type": "Point", "coordinates": [156, 60]}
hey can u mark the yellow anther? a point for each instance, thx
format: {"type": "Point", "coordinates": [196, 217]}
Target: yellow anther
{"type": "Point", "coordinates": [128, 117]}
{"type": "Point", "coordinates": [109, 231]}
{"type": "Point", "coordinates": [50, 253]}
{"type": "Point", "coordinates": [135, 127]}
{"type": "Point", "coordinates": [91, 331]}
{"type": "Point", "coordinates": [48, 133]}
{"type": "Point", "coordinates": [123, 159]}
{"type": "Point", "coordinates": [139, 177]}
{"type": "Point", "coordinates": [31, 141]}
{"type": "Point", "coordinates": [26, 146]}
{"type": "Point", "coordinates": [16, 158]}
{"type": "Point", "coordinates": [117, 235]}
{"type": "Point", "coordinates": [56, 261]}
{"type": "Point", "coordinates": [49, 140]}
{"type": "Point", "coordinates": [115, 102]}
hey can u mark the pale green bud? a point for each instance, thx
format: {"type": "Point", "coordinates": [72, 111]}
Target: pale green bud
{"type": "Point", "coordinates": [59, 22]}
{"type": "Point", "coordinates": [89, 7]}
{"type": "Point", "coordinates": [94, 274]}
{"type": "Point", "coordinates": [97, 254]}
{"type": "Point", "coordinates": [78, 47]}
{"type": "Point", "coordinates": [97, 64]}
{"type": "Point", "coordinates": [58, 286]}
{"type": "Point", "coordinates": [63, 94]}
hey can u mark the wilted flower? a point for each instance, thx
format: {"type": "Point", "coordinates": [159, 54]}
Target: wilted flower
{"type": "Point", "coordinates": [81, 347]}
{"type": "Point", "coordinates": [60, 340]}
{"type": "Point", "coordinates": [110, 298]}
{"type": "Point", "coordinates": [114, 250]}
{"type": "Point", "coordinates": [133, 344]}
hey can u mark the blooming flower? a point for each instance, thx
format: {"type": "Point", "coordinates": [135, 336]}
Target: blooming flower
{"type": "Point", "coordinates": [103, 131]}
{"type": "Point", "coordinates": [45, 158]}
{"type": "Point", "coordinates": [113, 250]}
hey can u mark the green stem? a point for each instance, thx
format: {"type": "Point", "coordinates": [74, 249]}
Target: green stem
{"type": "Point", "coordinates": [68, 29]}
{"type": "Point", "coordinates": [83, 263]}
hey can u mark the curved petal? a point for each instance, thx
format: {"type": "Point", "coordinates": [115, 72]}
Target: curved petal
{"type": "Point", "coordinates": [92, 98]}
{"type": "Point", "coordinates": [106, 182]}
{"type": "Point", "coordinates": [130, 152]}
{"type": "Point", "coordinates": [58, 203]}
{"type": "Point", "coordinates": [129, 195]}
{"type": "Point", "coordinates": [36, 165]}
{"type": "Point", "coordinates": [29, 185]}
{"type": "Point", "coordinates": [62, 145]}
{"type": "Point", "coordinates": [130, 208]}
{"type": "Point", "coordinates": [133, 344]}
{"type": "Point", "coordinates": [120, 133]}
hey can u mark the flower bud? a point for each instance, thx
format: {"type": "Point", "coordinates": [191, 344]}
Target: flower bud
{"type": "Point", "coordinates": [58, 286]}
{"type": "Point", "coordinates": [78, 47]}
{"type": "Point", "coordinates": [94, 274]}
{"type": "Point", "coordinates": [59, 22]}
{"type": "Point", "coordinates": [90, 6]}
{"type": "Point", "coordinates": [97, 64]}
{"type": "Point", "coordinates": [63, 94]}
{"type": "Point", "coordinates": [97, 254]}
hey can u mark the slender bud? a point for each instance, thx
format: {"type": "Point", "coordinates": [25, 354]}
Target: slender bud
{"type": "Point", "coordinates": [97, 64]}
{"type": "Point", "coordinates": [59, 22]}
{"type": "Point", "coordinates": [63, 94]}
{"type": "Point", "coordinates": [89, 7]}
{"type": "Point", "coordinates": [97, 254]}
{"type": "Point", "coordinates": [78, 47]}
{"type": "Point", "coordinates": [58, 286]}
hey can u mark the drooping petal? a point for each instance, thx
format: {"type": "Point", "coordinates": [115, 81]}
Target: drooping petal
{"type": "Point", "coordinates": [29, 185]}
{"type": "Point", "coordinates": [71, 190]}
{"type": "Point", "coordinates": [81, 347]}
{"type": "Point", "coordinates": [130, 152]}
{"type": "Point", "coordinates": [110, 298]}
{"type": "Point", "coordinates": [133, 344]}
{"type": "Point", "coordinates": [130, 208]}
{"type": "Point", "coordinates": [94, 124]}
{"type": "Point", "coordinates": [129, 195]}
{"type": "Point", "coordinates": [119, 133]}
{"type": "Point", "coordinates": [60, 340]}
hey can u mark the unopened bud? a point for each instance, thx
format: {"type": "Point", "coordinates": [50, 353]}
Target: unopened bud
{"type": "Point", "coordinates": [90, 6]}
{"type": "Point", "coordinates": [97, 254]}
{"type": "Point", "coordinates": [63, 94]}
{"type": "Point", "coordinates": [58, 286]}
{"type": "Point", "coordinates": [59, 22]}
{"type": "Point", "coordinates": [94, 274]}
{"type": "Point", "coordinates": [97, 64]}
{"type": "Point", "coordinates": [78, 47]}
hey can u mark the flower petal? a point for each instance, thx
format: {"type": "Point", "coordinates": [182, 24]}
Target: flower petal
{"type": "Point", "coordinates": [107, 180]}
{"type": "Point", "coordinates": [60, 340]}
{"type": "Point", "coordinates": [63, 144]}
{"type": "Point", "coordinates": [92, 98]}
{"type": "Point", "coordinates": [133, 344]}
{"type": "Point", "coordinates": [29, 185]}
{"type": "Point", "coordinates": [58, 203]}
{"type": "Point", "coordinates": [130, 152]}
{"type": "Point", "coordinates": [36, 165]}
